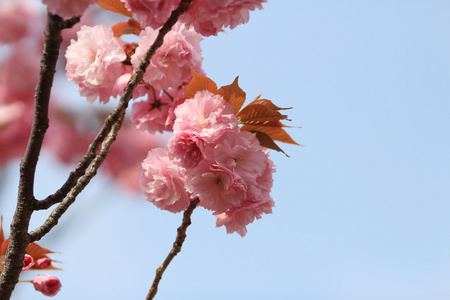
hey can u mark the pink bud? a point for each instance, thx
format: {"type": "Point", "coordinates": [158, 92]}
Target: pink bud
{"type": "Point", "coordinates": [43, 263]}
{"type": "Point", "coordinates": [48, 285]}
{"type": "Point", "coordinates": [28, 262]}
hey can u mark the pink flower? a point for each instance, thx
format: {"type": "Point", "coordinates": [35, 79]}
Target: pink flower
{"type": "Point", "coordinates": [210, 16]}
{"type": "Point", "coordinates": [240, 152]}
{"type": "Point", "coordinates": [94, 62]}
{"type": "Point", "coordinates": [237, 218]}
{"type": "Point", "coordinates": [43, 263]}
{"type": "Point", "coordinates": [207, 114]}
{"type": "Point", "coordinates": [19, 73]}
{"type": "Point", "coordinates": [14, 27]}
{"type": "Point", "coordinates": [28, 262]}
{"type": "Point", "coordinates": [217, 188]}
{"type": "Point", "coordinates": [186, 149]}
{"type": "Point", "coordinates": [152, 12]}
{"type": "Point", "coordinates": [162, 182]}
{"type": "Point", "coordinates": [15, 126]}
{"type": "Point", "coordinates": [178, 98]}
{"type": "Point", "coordinates": [172, 62]}
{"type": "Point", "coordinates": [48, 285]}
{"type": "Point", "coordinates": [67, 9]}
{"type": "Point", "coordinates": [151, 114]}
{"type": "Point", "coordinates": [124, 162]}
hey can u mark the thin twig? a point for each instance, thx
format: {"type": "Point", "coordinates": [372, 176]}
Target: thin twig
{"type": "Point", "coordinates": [19, 238]}
{"type": "Point", "coordinates": [176, 248]}
{"type": "Point", "coordinates": [56, 214]}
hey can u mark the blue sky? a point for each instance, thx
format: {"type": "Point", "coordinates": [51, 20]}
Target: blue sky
{"type": "Point", "coordinates": [362, 210]}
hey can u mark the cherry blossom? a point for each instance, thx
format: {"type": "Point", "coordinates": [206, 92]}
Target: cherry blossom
{"type": "Point", "coordinates": [207, 114]}
{"type": "Point", "coordinates": [171, 65]}
{"type": "Point", "coordinates": [43, 263]}
{"type": "Point", "coordinates": [163, 182]}
{"type": "Point", "coordinates": [240, 152]}
{"type": "Point", "coordinates": [67, 9]}
{"type": "Point", "coordinates": [48, 285]}
{"type": "Point", "coordinates": [217, 188]}
{"type": "Point", "coordinates": [151, 114]}
{"type": "Point", "coordinates": [28, 262]}
{"type": "Point", "coordinates": [94, 62]}
{"type": "Point", "coordinates": [152, 12]}
{"type": "Point", "coordinates": [211, 16]}
{"type": "Point", "coordinates": [13, 27]}
{"type": "Point", "coordinates": [186, 149]}
{"type": "Point", "coordinates": [237, 218]}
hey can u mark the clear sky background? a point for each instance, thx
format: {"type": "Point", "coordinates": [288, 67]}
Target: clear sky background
{"type": "Point", "coordinates": [362, 210]}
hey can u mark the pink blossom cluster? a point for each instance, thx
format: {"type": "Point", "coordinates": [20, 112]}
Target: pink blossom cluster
{"type": "Point", "coordinates": [67, 9]}
{"type": "Point", "coordinates": [207, 16]}
{"type": "Point", "coordinates": [210, 158]}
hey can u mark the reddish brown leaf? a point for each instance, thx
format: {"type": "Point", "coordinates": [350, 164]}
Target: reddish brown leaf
{"type": "Point", "coordinates": [2, 235]}
{"type": "Point", "coordinates": [234, 94]}
{"type": "Point", "coordinates": [266, 141]}
{"type": "Point", "coordinates": [3, 247]}
{"type": "Point", "coordinates": [259, 114]}
{"type": "Point", "coordinates": [116, 6]}
{"type": "Point", "coordinates": [37, 251]}
{"type": "Point", "coordinates": [129, 27]}
{"type": "Point", "coordinates": [267, 103]}
{"type": "Point", "coordinates": [276, 133]}
{"type": "Point", "coordinates": [199, 83]}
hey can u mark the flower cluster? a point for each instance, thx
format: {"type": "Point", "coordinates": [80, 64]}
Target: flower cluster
{"type": "Point", "coordinates": [210, 158]}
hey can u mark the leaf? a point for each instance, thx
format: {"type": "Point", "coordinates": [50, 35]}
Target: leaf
{"type": "Point", "coordinates": [3, 247]}
{"type": "Point", "coordinates": [2, 235]}
{"type": "Point", "coordinates": [266, 141]}
{"type": "Point", "coordinates": [276, 133]}
{"type": "Point", "coordinates": [259, 114]}
{"type": "Point", "coordinates": [116, 6]}
{"type": "Point", "coordinates": [199, 83]}
{"type": "Point", "coordinates": [234, 94]}
{"type": "Point", "coordinates": [269, 104]}
{"type": "Point", "coordinates": [37, 251]}
{"type": "Point", "coordinates": [129, 27]}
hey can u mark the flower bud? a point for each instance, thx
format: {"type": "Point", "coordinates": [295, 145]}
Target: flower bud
{"type": "Point", "coordinates": [28, 262]}
{"type": "Point", "coordinates": [48, 285]}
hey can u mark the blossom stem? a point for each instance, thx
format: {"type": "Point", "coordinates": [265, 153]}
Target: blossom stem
{"type": "Point", "coordinates": [176, 248]}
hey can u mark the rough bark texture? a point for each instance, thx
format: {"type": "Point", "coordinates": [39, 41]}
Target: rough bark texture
{"type": "Point", "coordinates": [19, 238]}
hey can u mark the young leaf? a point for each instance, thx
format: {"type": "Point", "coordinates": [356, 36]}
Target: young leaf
{"type": "Point", "coordinates": [37, 251]}
{"type": "Point", "coordinates": [2, 235]}
{"type": "Point", "coordinates": [276, 133]}
{"type": "Point", "coordinates": [259, 114]}
{"type": "Point", "coordinates": [116, 6]}
{"type": "Point", "coordinates": [123, 28]}
{"type": "Point", "coordinates": [199, 83]}
{"type": "Point", "coordinates": [266, 141]}
{"type": "Point", "coordinates": [269, 104]}
{"type": "Point", "coordinates": [234, 94]}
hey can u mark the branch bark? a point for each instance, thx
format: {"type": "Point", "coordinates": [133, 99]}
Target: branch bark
{"type": "Point", "coordinates": [176, 248]}
{"type": "Point", "coordinates": [19, 238]}
{"type": "Point", "coordinates": [74, 185]}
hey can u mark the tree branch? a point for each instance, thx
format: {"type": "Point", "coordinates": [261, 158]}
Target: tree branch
{"type": "Point", "coordinates": [176, 248]}
{"type": "Point", "coordinates": [112, 119]}
{"type": "Point", "coordinates": [74, 185]}
{"type": "Point", "coordinates": [56, 214]}
{"type": "Point", "coordinates": [19, 238]}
